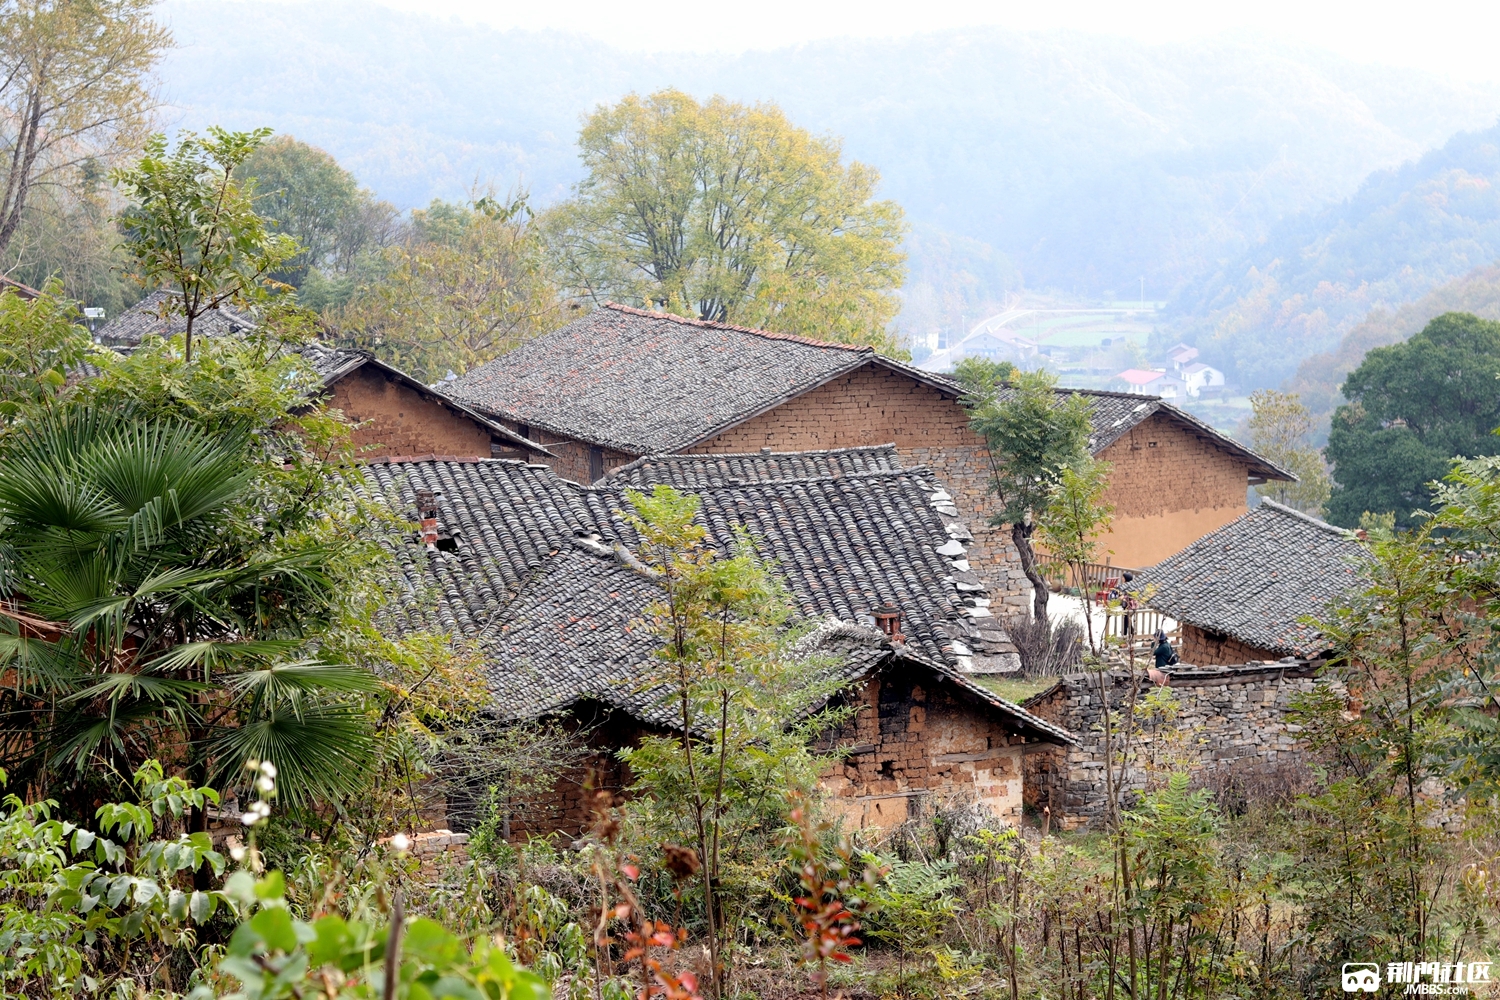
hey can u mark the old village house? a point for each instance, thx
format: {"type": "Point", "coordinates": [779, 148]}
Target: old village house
{"type": "Point", "coordinates": [541, 572]}
{"type": "Point", "coordinates": [1241, 595]}
{"type": "Point", "coordinates": [394, 413]}
{"type": "Point", "coordinates": [622, 383]}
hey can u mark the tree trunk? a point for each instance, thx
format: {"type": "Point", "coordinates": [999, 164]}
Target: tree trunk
{"type": "Point", "coordinates": [1021, 535]}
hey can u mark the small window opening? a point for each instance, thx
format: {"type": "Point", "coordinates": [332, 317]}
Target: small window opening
{"type": "Point", "coordinates": [596, 463]}
{"type": "Point", "coordinates": [887, 769]}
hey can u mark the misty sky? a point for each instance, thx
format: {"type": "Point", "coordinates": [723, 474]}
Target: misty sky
{"type": "Point", "coordinates": [1455, 37]}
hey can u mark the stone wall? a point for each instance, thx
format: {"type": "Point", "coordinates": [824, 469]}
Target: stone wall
{"type": "Point", "coordinates": [401, 421]}
{"type": "Point", "coordinates": [1169, 487]}
{"type": "Point", "coordinates": [917, 740]}
{"type": "Point", "coordinates": [1230, 718]}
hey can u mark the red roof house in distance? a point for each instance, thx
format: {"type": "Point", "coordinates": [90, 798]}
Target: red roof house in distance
{"type": "Point", "coordinates": [1150, 383]}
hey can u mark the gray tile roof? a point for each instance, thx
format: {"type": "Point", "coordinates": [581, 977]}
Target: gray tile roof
{"type": "Point", "coordinates": [145, 319]}
{"type": "Point", "coordinates": [544, 579]}
{"type": "Point", "coordinates": [509, 518]}
{"type": "Point", "coordinates": [646, 383]}
{"type": "Point", "coordinates": [844, 544]}
{"type": "Point", "coordinates": [576, 634]}
{"type": "Point", "coordinates": [1254, 578]}
{"type": "Point", "coordinates": [693, 472]}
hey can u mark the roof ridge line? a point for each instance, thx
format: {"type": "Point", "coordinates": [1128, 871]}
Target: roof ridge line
{"type": "Point", "coordinates": [908, 470]}
{"type": "Point", "coordinates": [1316, 522]}
{"type": "Point", "coordinates": [701, 456]}
{"type": "Point", "coordinates": [1114, 393]}
{"type": "Point", "coordinates": [713, 325]}
{"type": "Point", "coordinates": [433, 457]}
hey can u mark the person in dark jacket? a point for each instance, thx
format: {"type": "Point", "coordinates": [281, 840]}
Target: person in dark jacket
{"type": "Point", "coordinates": [1165, 655]}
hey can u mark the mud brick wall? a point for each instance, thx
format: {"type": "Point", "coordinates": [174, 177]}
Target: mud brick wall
{"type": "Point", "coordinates": [1234, 717]}
{"type": "Point", "coordinates": [874, 405]}
{"type": "Point", "coordinates": [400, 421]}
{"type": "Point", "coordinates": [1205, 649]}
{"type": "Point", "coordinates": [572, 459]}
{"type": "Point", "coordinates": [915, 740]}
{"type": "Point", "coordinates": [566, 807]}
{"type": "Point", "coordinates": [1169, 488]}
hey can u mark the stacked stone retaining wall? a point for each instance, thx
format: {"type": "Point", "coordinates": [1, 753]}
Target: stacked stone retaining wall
{"type": "Point", "coordinates": [1229, 720]}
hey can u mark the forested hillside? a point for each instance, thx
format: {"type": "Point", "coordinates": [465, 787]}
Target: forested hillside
{"type": "Point", "coordinates": [1075, 163]}
{"type": "Point", "coordinates": [1318, 378]}
{"type": "Point", "coordinates": [1403, 233]}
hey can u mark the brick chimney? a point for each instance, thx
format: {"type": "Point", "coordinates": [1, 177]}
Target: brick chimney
{"type": "Point", "coordinates": [427, 517]}
{"type": "Point", "coordinates": [888, 620]}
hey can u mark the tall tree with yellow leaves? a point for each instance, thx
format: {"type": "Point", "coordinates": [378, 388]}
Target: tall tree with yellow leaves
{"type": "Point", "coordinates": [75, 91]}
{"type": "Point", "coordinates": [729, 212]}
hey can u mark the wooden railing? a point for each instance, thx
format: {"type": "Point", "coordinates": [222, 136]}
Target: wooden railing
{"type": "Point", "coordinates": [1141, 624]}
{"type": "Point", "coordinates": [1064, 576]}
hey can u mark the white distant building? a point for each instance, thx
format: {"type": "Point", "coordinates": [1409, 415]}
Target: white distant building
{"type": "Point", "coordinates": [999, 345]}
{"type": "Point", "coordinates": [1181, 356]}
{"type": "Point", "coordinates": [1149, 382]}
{"type": "Point", "coordinates": [1198, 376]}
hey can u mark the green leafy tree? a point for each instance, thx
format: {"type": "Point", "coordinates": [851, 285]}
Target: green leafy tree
{"type": "Point", "coordinates": [302, 191]}
{"type": "Point", "coordinates": [1073, 520]}
{"type": "Point", "coordinates": [1412, 408]}
{"type": "Point", "coordinates": [86, 906]}
{"type": "Point", "coordinates": [731, 213]}
{"type": "Point", "coordinates": [469, 284]}
{"type": "Point", "coordinates": [41, 345]}
{"type": "Point", "coordinates": [911, 906]}
{"type": "Point", "coordinates": [733, 676]}
{"type": "Point", "coordinates": [1033, 436]}
{"type": "Point", "coordinates": [1278, 429]}
{"type": "Point", "coordinates": [192, 226]}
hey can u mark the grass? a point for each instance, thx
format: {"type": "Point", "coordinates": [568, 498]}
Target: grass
{"type": "Point", "coordinates": [1016, 689]}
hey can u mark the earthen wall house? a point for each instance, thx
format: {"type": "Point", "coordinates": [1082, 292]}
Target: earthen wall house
{"type": "Point", "coordinates": [398, 416]}
{"type": "Point", "coordinates": [394, 419]}
{"type": "Point", "coordinates": [1253, 589]}
{"type": "Point", "coordinates": [1169, 486]}
{"type": "Point", "coordinates": [1205, 648]}
{"type": "Point", "coordinates": [623, 383]}
{"type": "Point", "coordinates": [543, 580]}
{"type": "Point", "coordinates": [916, 742]}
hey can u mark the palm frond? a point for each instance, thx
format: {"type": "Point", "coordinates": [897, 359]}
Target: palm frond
{"type": "Point", "coordinates": [216, 654]}
{"type": "Point", "coordinates": [128, 687]}
{"type": "Point", "coordinates": [320, 756]}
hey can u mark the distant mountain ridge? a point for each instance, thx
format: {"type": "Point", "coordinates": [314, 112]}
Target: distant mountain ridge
{"type": "Point", "coordinates": [1318, 378]}
{"type": "Point", "coordinates": [1085, 162]}
{"type": "Point", "coordinates": [1405, 232]}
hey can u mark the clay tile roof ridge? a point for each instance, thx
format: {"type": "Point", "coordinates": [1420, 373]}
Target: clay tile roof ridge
{"type": "Point", "coordinates": [714, 325]}
{"type": "Point", "coordinates": [1322, 525]}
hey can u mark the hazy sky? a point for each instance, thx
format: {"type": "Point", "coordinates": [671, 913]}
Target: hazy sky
{"type": "Point", "coordinates": [1456, 37]}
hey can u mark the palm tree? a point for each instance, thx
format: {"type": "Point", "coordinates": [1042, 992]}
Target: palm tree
{"type": "Point", "coordinates": [146, 610]}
